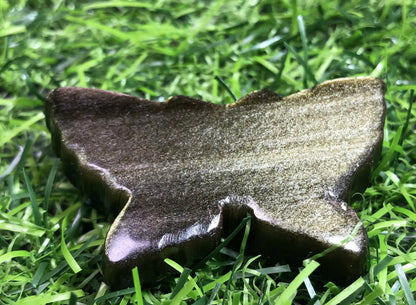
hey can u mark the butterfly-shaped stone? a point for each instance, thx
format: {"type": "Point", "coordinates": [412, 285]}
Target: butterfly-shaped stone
{"type": "Point", "coordinates": [182, 173]}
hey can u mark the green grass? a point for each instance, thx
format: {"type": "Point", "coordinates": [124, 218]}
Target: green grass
{"type": "Point", "coordinates": [51, 239]}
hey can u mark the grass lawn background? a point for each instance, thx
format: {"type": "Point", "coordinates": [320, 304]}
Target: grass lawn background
{"type": "Point", "coordinates": [51, 240]}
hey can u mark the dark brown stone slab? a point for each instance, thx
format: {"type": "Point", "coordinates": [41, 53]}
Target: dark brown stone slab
{"type": "Point", "coordinates": [182, 173]}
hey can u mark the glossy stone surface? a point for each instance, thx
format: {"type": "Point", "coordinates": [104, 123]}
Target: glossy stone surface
{"type": "Point", "coordinates": [182, 173]}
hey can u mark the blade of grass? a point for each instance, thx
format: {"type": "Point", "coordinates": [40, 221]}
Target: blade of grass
{"type": "Point", "coordinates": [385, 262]}
{"type": "Point", "coordinates": [73, 208]}
{"type": "Point", "coordinates": [268, 65]}
{"type": "Point", "coordinates": [182, 270]}
{"type": "Point", "coordinates": [294, 10]}
{"type": "Point", "coordinates": [405, 126]}
{"type": "Point", "coordinates": [65, 252]}
{"type": "Point", "coordinates": [12, 30]}
{"type": "Point", "coordinates": [406, 212]}
{"type": "Point", "coordinates": [227, 88]}
{"type": "Point", "coordinates": [121, 36]}
{"type": "Point", "coordinates": [311, 291]}
{"type": "Point", "coordinates": [12, 164]}
{"type": "Point", "coordinates": [181, 282]}
{"type": "Point", "coordinates": [264, 271]}
{"type": "Point", "coordinates": [73, 299]}
{"type": "Point", "coordinates": [124, 300]}
{"type": "Point", "coordinates": [263, 44]}
{"type": "Point", "coordinates": [32, 196]}
{"type": "Point", "coordinates": [214, 293]}
{"type": "Point", "coordinates": [48, 187]}
{"type": "Point", "coordinates": [358, 284]}
{"type": "Point", "coordinates": [402, 87]}
{"type": "Point", "coordinates": [38, 274]}
{"type": "Point", "coordinates": [201, 301]}
{"type": "Point", "coordinates": [401, 259]}
{"type": "Point", "coordinates": [174, 265]}
{"type": "Point", "coordinates": [405, 284]}
{"type": "Point", "coordinates": [380, 271]}
{"type": "Point", "coordinates": [379, 227]}
{"type": "Point", "coordinates": [26, 228]}
{"type": "Point", "coordinates": [394, 146]}
{"type": "Point", "coordinates": [291, 290]}
{"type": "Point", "coordinates": [49, 298]}
{"type": "Point", "coordinates": [372, 296]}
{"type": "Point", "coordinates": [13, 254]}
{"type": "Point", "coordinates": [301, 62]}
{"type": "Point", "coordinates": [89, 278]}
{"type": "Point", "coordinates": [245, 237]}
{"type": "Point", "coordinates": [221, 280]}
{"type": "Point", "coordinates": [278, 77]}
{"type": "Point", "coordinates": [22, 161]}
{"type": "Point", "coordinates": [10, 134]}
{"type": "Point", "coordinates": [114, 295]}
{"type": "Point", "coordinates": [239, 259]}
{"type": "Point", "coordinates": [101, 291]}
{"type": "Point", "coordinates": [314, 301]}
{"type": "Point", "coordinates": [183, 293]}
{"type": "Point", "coordinates": [137, 286]}
{"type": "Point", "coordinates": [302, 33]}
{"type": "Point", "coordinates": [117, 4]}
{"type": "Point", "coordinates": [411, 100]}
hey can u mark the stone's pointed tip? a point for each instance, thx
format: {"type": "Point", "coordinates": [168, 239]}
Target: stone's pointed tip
{"type": "Point", "coordinates": [273, 157]}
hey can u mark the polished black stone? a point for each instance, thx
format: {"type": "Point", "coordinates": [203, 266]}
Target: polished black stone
{"type": "Point", "coordinates": [182, 173]}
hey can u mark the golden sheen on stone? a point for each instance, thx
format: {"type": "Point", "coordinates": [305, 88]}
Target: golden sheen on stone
{"type": "Point", "coordinates": [181, 174]}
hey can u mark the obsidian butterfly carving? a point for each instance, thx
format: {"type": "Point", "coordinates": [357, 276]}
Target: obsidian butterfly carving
{"type": "Point", "coordinates": [182, 173]}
